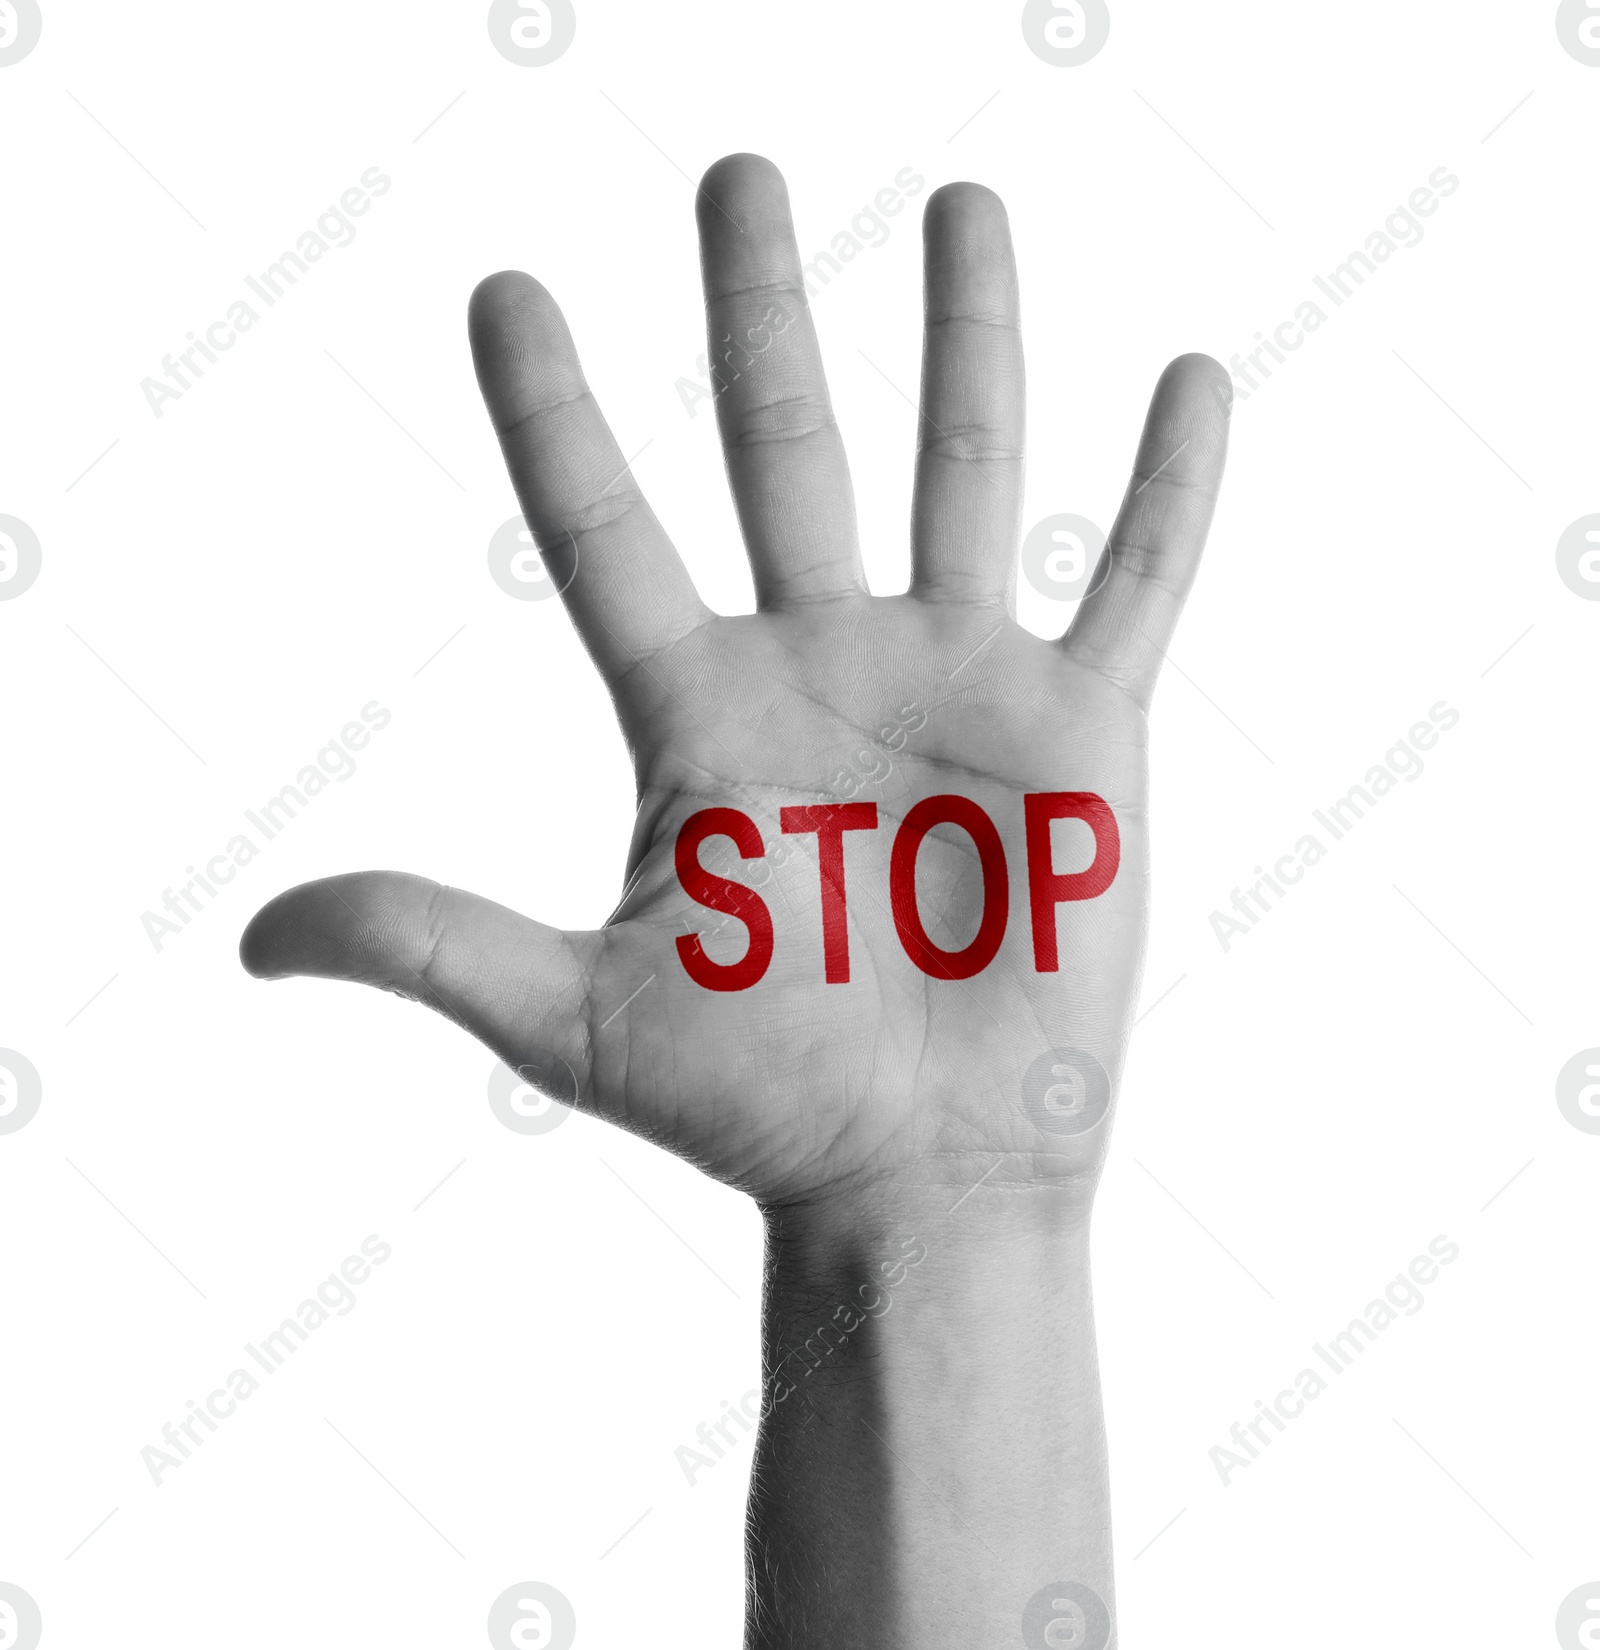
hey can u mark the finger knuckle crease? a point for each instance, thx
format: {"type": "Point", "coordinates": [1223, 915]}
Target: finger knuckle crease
{"type": "Point", "coordinates": [792, 418]}
{"type": "Point", "coordinates": [596, 515]}
{"type": "Point", "coordinates": [971, 444]}
{"type": "Point", "coordinates": [996, 319]}
{"type": "Point", "coordinates": [435, 925]}
{"type": "Point", "coordinates": [758, 289]}
{"type": "Point", "coordinates": [543, 408]}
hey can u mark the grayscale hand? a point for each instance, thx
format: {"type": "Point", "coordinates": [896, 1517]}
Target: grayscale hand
{"type": "Point", "coordinates": [856, 1111]}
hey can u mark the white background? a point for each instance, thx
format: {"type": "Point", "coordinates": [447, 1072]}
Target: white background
{"type": "Point", "coordinates": [273, 552]}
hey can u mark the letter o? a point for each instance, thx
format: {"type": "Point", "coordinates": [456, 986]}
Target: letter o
{"type": "Point", "coordinates": [930, 958]}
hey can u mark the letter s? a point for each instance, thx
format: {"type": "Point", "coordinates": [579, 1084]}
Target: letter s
{"type": "Point", "coordinates": [719, 894]}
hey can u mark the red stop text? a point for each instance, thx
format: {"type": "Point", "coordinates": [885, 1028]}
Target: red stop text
{"type": "Point", "coordinates": [832, 824]}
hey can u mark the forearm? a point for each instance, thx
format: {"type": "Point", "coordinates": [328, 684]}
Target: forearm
{"type": "Point", "coordinates": [932, 1452]}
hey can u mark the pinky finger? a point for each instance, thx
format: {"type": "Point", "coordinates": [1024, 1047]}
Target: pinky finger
{"type": "Point", "coordinates": [1124, 627]}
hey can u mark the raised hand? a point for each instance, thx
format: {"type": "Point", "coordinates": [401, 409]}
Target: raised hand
{"type": "Point", "coordinates": [826, 695]}
{"type": "Point", "coordinates": [882, 921]}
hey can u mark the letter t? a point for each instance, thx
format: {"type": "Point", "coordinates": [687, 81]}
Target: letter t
{"type": "Point", "coordinates": [830, 820]}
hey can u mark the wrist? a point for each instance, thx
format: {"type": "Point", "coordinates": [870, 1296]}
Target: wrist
{"type": "Point", "coordinates": [909, 1285]}
{"type": "Point", "coordinates": [931, 1410]}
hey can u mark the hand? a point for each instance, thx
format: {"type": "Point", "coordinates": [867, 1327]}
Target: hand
{"type": "Point", "coordinates": [931, 1465]}
{"type": "Point", "coordinates": [795, 1088]}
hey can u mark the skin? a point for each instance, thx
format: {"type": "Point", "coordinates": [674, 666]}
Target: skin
{"type": "Point", "coordinates": [939, 1457]}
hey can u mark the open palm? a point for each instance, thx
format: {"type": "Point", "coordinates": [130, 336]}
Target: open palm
{"type": "Point", "coordinates": [826, 1015]}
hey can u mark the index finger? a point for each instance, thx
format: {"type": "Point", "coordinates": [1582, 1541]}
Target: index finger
{"type": "Point", "coordinates": [622, 581]}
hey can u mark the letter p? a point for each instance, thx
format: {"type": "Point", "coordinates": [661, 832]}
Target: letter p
{"type": "Point", "coordinates": [1047, 887]}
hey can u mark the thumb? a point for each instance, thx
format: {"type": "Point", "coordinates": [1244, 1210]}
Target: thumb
{"type": "Point", "coordinates": [513, 983]}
